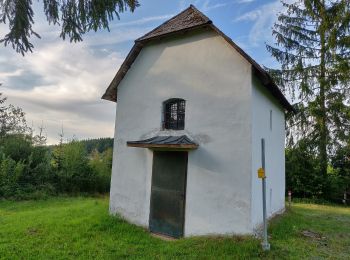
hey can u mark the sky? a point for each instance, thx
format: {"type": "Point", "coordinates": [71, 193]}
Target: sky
{"type": "Point", "coordinates": [60, 84]}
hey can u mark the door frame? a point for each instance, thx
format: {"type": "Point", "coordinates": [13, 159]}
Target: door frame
{"type": "Point", "coordinates": [184, 196]}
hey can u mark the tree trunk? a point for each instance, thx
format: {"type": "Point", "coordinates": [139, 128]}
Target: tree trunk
{"type": "Point", "coordinates": [322, 120]}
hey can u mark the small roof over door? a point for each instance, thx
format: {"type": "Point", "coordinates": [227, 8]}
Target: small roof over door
{"type": "Point", "coordinates": [182, 142]}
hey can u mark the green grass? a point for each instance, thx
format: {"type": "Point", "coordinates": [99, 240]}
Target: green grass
{"type": "Point", "coordinates": [80, 228]}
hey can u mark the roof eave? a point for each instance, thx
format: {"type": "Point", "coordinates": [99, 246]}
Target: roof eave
{"type": "Point", "coordinates": [164, 146]}
{"type": "Point", "coordinates": [111, 91]}
{"type": "Point", "coordinates": [261, 73]}
{"type": "Point", "coordinates": [269, 84]}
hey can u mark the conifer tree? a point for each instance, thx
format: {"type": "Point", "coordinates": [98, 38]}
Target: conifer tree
{"type": "Point", "coordinates": [312, 46]}
{"type": "Point", "coordinates": [75, 17]}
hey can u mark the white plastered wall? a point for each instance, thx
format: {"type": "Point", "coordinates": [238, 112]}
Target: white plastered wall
{"type": "Point", "coordinates": [215, 81]}
{"type": "Point", "coordinates": [263, 103]}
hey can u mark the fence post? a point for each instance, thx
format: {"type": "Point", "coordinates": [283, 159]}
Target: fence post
{"type": "Point", "coordinates": [265, 244]}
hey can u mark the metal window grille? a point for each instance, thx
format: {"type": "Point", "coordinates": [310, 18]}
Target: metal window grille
{"type": "Point", "coordinates": [174, 114]}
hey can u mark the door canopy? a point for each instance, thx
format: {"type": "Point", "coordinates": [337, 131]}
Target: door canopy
{"type": "Point", "coordinates": [182, 142]}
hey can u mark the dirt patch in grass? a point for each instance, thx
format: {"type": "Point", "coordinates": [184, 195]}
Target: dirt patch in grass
{"type": "Point", "coordinates": [312, 234]}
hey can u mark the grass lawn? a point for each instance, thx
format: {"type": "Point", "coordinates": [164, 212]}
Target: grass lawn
{"type": "Point", "coordinates": [71, 228]}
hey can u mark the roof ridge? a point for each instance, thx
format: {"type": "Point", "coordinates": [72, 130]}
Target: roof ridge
{"type": "Point", "coordinates": [198, 11]}
{"type": "Point", "coordinates": [158, 30]}
{"type": "Point", "coordinates": [167, 21]}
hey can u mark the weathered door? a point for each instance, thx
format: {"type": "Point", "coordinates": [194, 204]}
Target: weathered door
{"type": "Point", "coordinates": [168, 193]}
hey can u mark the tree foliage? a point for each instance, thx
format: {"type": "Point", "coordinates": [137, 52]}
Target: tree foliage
{"type": "Point", "coordinates": [312, 46]}
{"type": "Point", "coordinates": [101, 162]}
{"type": "Point", "coordinates": [12, 119]}
{"type": "Point", "coordinates": [30, 169]}
{"type": "Point", "coordinates": [341, 164]}
{"type": "Point", "coordinates": [74, 174]}
{"type": "Point", "coordinates": [24, 168]}
{"type": "Point", "coordinates": [302, 167]}
{"type": "Point", "coordinates": [75, 17]}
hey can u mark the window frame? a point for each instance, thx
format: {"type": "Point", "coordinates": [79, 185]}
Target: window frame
{"type": "Point", "coordinates": [174, 111]}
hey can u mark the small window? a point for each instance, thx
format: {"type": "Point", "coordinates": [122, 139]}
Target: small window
{"type": "Point", "coordinates": [174, 114]}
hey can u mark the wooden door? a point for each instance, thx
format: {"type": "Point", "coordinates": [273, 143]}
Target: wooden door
{"type": "Point", "coordinates": [168, 193]}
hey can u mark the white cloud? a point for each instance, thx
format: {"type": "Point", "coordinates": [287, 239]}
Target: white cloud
{"type": "Point", "coordinates": [203, 5]}
{"type": "Point", "coordinates": [77, 78]}
{"type": "Point", "coordinates": [17, 72]}
{"type": "Point", "coordinates": [263, 17]}
{"type": "Point", "coordinates": [207, 6]}
{"type": "Point", "coordinates": [144, 20]}
{"type": "Point", "coordinates": [244, 1]}
{"type": "Point", "coordinates": [183, 4]}
{"type": "Point", "coordinates": [116, 36]}
{"type": "Point", "coordinates": [250, 16]}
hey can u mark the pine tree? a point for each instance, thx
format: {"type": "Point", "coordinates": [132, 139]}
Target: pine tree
{"type": "Point", "coordinates": [313, 41]}
{"type": "Point", "coordinates": [40, 139]}
{"type": "Point", "coordinates": [74, 17]}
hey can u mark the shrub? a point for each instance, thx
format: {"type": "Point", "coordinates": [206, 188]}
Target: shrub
{"type": "Point", "coordinates": [101, 164]}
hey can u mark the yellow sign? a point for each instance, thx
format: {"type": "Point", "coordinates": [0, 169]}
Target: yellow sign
{"type": "Point", "coordinates": [261, 173]}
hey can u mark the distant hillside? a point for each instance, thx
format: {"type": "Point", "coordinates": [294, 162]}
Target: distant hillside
{"type": "Point", "coordinates": [100, 144]}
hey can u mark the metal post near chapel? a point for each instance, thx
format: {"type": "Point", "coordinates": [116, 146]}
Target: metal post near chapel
{"type": "Point", "coordinates": [265, 244]}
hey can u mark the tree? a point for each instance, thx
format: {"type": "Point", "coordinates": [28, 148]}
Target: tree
{"type": "Point", "coordinates": [75, 17]}
{"type": "Point", "coordinates": [101, 164]}
{"type": "Point", "coordinates": [341, 163]}
{"type": "Point", "coordinates": [12, 119]}
{"type": "Point", "coordinates": [313, 41]}
{"type": "Point", "coordinates": [40, 139]}
{"type": "Point", "coordinates": [24, 168]}
{"type": "Point", "coordinates": [74, 174]}
{"type": "Point", "coordinates": [301, 170]}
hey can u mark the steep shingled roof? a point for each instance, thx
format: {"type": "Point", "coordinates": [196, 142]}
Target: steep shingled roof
{"type": "Point", "coordinates": [189, 20]}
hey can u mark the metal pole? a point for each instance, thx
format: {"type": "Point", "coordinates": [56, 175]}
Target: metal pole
{"type": "Point", "coordinates": [265, 243]}
{"type": "Point", "coordinates": [289, 198]}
